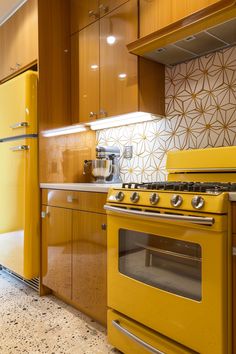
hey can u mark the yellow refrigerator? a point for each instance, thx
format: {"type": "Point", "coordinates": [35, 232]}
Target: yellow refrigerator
{"type": "Point", "coordinates": [19, 187]}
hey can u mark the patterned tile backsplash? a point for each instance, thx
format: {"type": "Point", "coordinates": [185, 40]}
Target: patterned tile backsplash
{"type": "Point", "coordinates": [200, 112]}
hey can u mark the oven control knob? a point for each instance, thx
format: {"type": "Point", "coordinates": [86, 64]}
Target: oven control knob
{"type": "Point", "coordinates": [198, 202]}
{"type": "Point", "coordinates": [119, 196]}
{"type": "Point", "coordinates": [176, 200]}
{"type": "Point", "coordinates": [134, 197]}
{"type": "Point", "coordinates": [154, 198]}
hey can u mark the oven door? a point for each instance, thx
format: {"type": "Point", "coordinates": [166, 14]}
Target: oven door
{"type": "Point", "coordinates": [169, 273]}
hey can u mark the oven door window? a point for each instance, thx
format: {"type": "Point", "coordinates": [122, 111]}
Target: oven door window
{"type": "Point", "coordinates": [165, 263]}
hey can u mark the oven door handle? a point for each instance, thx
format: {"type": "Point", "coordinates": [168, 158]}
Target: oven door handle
{"type": "Point", "coordinates": [147, 346]}
{"type": "Point", "coordinates": [172, 217]}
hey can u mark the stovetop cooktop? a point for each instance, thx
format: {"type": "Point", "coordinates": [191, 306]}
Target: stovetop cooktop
{"type": "Point", "coordinates": [202, 187]}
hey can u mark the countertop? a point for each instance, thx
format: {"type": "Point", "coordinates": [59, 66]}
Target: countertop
{"type": "Point", "coordinates": [96, 187]}
{"type": "Point", "coordinates": [89, 187]}
{"type": "Point", "coordinates": [232, 196]}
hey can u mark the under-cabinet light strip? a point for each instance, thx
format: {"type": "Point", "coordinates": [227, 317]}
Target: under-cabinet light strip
{"type": "Point", "coordinates": [72, 129]}
{"type": "Point", "coordinates": [125, 119]}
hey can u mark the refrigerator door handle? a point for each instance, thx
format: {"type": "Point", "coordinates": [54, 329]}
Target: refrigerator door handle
{"type": "Point", "coordinates": [19, 125]}
{"type": "Point", "coordinates": [20, 148]}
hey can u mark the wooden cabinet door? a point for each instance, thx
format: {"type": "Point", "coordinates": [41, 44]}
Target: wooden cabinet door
{"type": "Point", "coordinates": [109, 5]}
{"type": "Point", "coordinates": [118, 68]}
{"type": "Point", "coordinates": [156, 14]}
{"type": "Point", "coordinates": [89, 285]}
{"type": "Point", "coordinates": [83, 13]}
{"type": "Point", "coordinates": [19, 40]}
{"type": "Point", "coordinates": [85, 74]}
{"type": "Point", "coordinates": [27, 18]}
{"type": "Point", "coordinates": [57, 249]}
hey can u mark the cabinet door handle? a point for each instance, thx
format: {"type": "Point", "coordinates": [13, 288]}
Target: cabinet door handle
{"type": "Point", "coordinates": [93, 114]}
{"type": "Point", "coordinates": [234, 251]}
{"type": "Point", "coordinates": [102, 112]}
{"type": "Point", "coordinates": [92, 13]}
{"type": "Point", "coordinates": [103, 8]}
{"type": "Point", "coordinates": [104, 226]}
{"type": "Point", "coordinates": [44, 214]}
{"type": "Point", "coordinates": [18, 65]}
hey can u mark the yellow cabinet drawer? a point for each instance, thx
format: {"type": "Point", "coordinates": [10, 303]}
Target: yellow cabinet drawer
{"type": "Point", "coordinates": [88, 201]}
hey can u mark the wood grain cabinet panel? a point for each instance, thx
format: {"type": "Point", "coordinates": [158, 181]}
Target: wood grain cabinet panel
{"type": "Point", "coordinates": [57, 249]}
{"type": "Point", "coordinates": [19, 40]}
{"type": "Point", "coordinates": [89, 284]}
{"type": "Point", "coordinates": [126, 83]}
{"type": "Point", "coordinates": [156, 14]}
{"type": "Point", "coordinates": [85, 78]}
{"type": "Point", "coordinates": [118, 68]}
{"type": "Point", "coordinates": [83, 13]}
{"type": "Point", "coordinates": [54, 64]}
{"type": "Point", "coordinates": [74, 249]}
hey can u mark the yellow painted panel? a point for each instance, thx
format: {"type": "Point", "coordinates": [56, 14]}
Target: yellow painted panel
{"type": "Point", "coordinates": [129, 346]}
{"type": "Point", "coordinates": [18, 103]}
{"type": "Point", "coordinates": [176, 317]}
{"type": "Point", "coordinates": [19, 208]}
{"type": "Point", "coordinates": [202, 159]}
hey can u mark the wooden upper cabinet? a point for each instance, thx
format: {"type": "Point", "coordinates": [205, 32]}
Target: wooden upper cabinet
{"type": "Point", "coordinates": [19, 40]}
{"type": "Point", "coordinates": [83, 13]}
{"type": "Point", "coordinates": [54, 101]}
{"type": "Point", "coordinates": [156, 14]}
{"type": "Point", "coordinates": [106, 79]}
{"type": "Point", "coordinates": [118, 68]}
{"type": "Point", "coordinates": [85, 73]}
{"type": "Point", "coordinates": [109, 5]}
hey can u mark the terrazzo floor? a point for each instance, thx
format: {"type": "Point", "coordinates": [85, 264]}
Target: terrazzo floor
{"type": "Point", "coordinates": [45, 325]}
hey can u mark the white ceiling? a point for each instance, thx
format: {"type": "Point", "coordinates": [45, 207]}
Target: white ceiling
{"type": "Point", "coordinates": [8, 7]}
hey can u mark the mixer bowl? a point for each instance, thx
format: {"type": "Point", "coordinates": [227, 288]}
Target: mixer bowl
{"type": "Point", "coordinates": [101, 169]}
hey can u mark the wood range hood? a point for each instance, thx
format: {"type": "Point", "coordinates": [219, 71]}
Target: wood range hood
{"type": "Point", "coordinates": [203, 32]}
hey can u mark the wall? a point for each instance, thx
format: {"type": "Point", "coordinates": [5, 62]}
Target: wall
{"type": "Point", "coordinates": [200, 113]}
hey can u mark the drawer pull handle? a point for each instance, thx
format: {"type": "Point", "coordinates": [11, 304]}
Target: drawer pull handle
{"type": "Point", "coordinates": [234, 251]}
{"type": "Point", "coordinates": [147, 346]}
{"type": "Point", "coordinates": [71, 199]}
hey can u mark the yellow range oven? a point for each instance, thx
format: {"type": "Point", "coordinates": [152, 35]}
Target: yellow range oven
{"type": "Point", "coordinates": [168, 272]}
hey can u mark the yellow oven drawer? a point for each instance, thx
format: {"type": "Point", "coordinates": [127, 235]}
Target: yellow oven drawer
{"type": "Point", "coordinates": [131, 337]}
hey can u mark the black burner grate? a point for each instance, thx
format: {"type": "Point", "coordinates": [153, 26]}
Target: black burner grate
{"type": "Point", "coordinates": [184, 186]}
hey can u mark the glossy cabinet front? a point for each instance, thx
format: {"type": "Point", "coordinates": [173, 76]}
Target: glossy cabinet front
{"type": "Point", "coordinates": [89, 264]}
{"type": "Point", "coordinates": [57, 247]}
{"type": "Point", "coordinates": [19, 40]}
{"type": "Point", "coordinates": [156, 14]}
{"type": "Point", "coordinates": [83, 13]}
{"type": "Point", "coordinates": [74, 249]}
{"type": "Point", "coordinates": [118, 68]}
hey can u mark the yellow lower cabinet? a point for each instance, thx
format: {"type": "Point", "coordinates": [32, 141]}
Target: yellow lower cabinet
{"type": "Point", "coordinates": [132, 338]}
